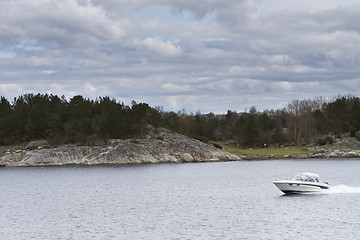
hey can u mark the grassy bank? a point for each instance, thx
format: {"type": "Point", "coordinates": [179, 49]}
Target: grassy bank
{"type": "Point", "coordinates": [275, 152]}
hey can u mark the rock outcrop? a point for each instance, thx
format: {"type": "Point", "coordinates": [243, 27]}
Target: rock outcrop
{"type": "Point", "coordinates": [344, 147]}
{"type": "Point", "coordinates": [159, 146]}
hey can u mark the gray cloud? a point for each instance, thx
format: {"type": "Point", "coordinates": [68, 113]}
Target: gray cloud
{"type": "Point", "coordinates": [208, 56]}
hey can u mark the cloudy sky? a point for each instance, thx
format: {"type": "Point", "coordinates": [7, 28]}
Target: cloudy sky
{"type": "Point", "coordinates": [203, 55]}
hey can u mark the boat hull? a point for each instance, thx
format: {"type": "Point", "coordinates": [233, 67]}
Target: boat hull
{"type": "Point", "coordinates": [290, 187]}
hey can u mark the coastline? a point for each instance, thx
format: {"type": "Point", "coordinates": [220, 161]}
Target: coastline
{"type": "Point", "coordinates": [312, 153]}
{"type": "Point", "coordinates": [162, 146]}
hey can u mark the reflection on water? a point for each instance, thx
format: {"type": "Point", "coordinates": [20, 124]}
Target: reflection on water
{"type": "Point", "coordinates": [303, 195]}
{"type": "Point", "coordinates": [230, 200]}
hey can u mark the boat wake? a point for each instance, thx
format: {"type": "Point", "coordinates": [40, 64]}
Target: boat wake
{"type": "Point", "coordinates": [343, 189]}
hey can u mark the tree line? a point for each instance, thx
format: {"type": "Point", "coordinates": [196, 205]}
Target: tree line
{"type": "Point", "coordinates": [85, 121]}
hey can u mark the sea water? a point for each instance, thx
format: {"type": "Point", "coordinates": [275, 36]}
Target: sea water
{"type": "Point", "coordinates": [222, 200]}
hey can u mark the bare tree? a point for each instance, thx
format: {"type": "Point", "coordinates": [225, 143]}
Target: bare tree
{"type": "Point", "coordinates": [301, 121]}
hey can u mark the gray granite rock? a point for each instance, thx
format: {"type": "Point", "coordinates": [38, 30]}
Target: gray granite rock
{"type": "Point", "coordinates": [159, 146]}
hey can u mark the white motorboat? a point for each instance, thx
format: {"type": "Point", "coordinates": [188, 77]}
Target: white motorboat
{"type": "Point", "coordinates": [302, 183]}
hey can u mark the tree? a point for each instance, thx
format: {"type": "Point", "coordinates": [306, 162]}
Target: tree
{"type": "Point", "coordinates": [6, 136]}
{"type": "Point", "coordinates": [278, 136]}
{"type": "Point", "coordinates": [339, 114]}
{"type": "Point", "coordinates": [171, 120]}
{"type": "Point", "coordinates": [355, 116]}
{"type": "Point", "coordinates": [139, 114]}
{"type": "Point", "coordinates": [247, 130]}
{"type": "Point", "coordinates": [300, 119]}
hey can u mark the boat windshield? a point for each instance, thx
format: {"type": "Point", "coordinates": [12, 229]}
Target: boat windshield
{"type": "Point", "coordinates": [306, 177]}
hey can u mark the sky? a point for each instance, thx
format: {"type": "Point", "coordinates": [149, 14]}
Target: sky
{"type": "Point", "coordinates": [182, 55]}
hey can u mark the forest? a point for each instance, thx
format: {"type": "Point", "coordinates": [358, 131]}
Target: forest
{"type": "Point", "coordinates": [93, 122]}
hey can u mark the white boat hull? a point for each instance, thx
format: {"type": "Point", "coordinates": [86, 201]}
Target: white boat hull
{"type": "Point", "coordinates": [291, 186]}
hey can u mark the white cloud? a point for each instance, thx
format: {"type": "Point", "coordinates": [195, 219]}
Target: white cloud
{"type": "Point", "coordinates": [49, 72]}
{"type": "Point", "coordinates": [302, 5]}
{"type": "Point", "coordinates": [278, 59]}
{"type": "Point", "coordinates": [90, 87]}
{"type": "Point", "coordinates": [8, 89]}
{"type": "Point", "coordinates": [57, 23]}
{"type": "Point", "coordinates": [206, 55]}
{"type": "Point", "coordinates": [170, 88]}
{"type": "Point", "coordinates": [284, 86]}
{"type": "Point", "coordinates": [163, 48]}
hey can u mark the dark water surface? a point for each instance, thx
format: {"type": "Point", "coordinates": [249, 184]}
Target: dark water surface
{"type": "Point", "coordinates": [229, 200]}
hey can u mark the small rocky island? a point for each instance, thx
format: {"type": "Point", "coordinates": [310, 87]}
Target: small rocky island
{"type": "Point", "coordinates": [158, 146]}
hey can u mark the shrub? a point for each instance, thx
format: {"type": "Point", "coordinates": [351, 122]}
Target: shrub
{"type": "Point", "coordinates": [324, 141]}
{"type": "Point", "coordinates": [352, 131]}
{"type": "Point", "coordinates": [217, 146]}
{"type": "Point", "coordinates": [321, 142]}
{"type": "Point", "coordinates": [134, 141]}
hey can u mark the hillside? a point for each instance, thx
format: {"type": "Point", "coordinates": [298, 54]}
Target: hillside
{"type": "Point", "coordinates": [158, 146]}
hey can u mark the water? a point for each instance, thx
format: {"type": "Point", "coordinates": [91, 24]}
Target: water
{"type": "Point", "coordinates": [230, 200]}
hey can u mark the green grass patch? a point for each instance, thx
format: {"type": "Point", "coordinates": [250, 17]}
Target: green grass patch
{"type": "Point", "coordinates": [276, 152]}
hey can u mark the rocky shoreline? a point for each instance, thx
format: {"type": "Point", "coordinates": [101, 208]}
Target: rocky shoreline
{"type": "Point", "coordinates": [159, 146]}
{"type": "Point", "coordinates": [343, 147]}
{"type": "Point", "coordinates": [316, 153]}
{"type": "Point", "coordinates": [340, 147]}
